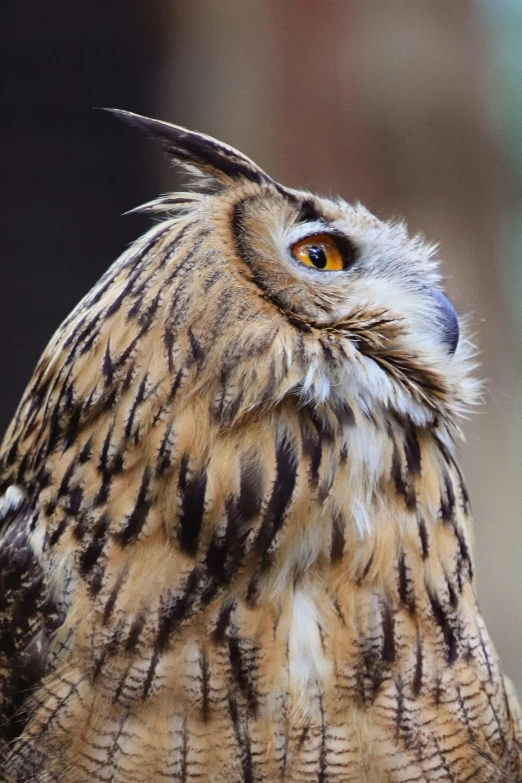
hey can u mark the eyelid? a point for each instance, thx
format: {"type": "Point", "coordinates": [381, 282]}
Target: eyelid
{"type": "Point", "coordinates": [304, 230]}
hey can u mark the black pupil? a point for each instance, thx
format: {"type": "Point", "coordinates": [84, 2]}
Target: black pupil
{"type": "Point", "coordinates": [317, 256]}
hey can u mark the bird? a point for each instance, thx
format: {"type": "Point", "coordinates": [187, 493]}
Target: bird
{"type": "Point", "coordinates": [236, 543]}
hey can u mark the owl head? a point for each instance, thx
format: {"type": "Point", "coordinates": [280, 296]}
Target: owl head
{"type": "Point", "coordinates": [309, 297]}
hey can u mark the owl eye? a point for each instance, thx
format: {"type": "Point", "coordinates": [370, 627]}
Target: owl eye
{"type": "Point", "coordinates": [321, 251]}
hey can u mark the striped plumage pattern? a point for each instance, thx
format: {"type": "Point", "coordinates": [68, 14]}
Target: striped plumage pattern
{"type": "Point", "coordinates": [236, 544]}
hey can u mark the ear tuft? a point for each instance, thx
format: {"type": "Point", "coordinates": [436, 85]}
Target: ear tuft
{"type": "Point", "coordinates": [209, 156]}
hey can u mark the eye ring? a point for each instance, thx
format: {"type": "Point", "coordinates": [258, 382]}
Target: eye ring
{"type": "Point", "coordinates": [324, 252]}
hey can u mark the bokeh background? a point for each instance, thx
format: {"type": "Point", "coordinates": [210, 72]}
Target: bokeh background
{"type": "Point", "coordinates": [413, 106]}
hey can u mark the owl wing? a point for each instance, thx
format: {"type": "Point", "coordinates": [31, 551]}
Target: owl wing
{"type": "Point", "coordinates": [27, 618]}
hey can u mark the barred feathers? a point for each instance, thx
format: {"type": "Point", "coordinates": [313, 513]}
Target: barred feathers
{"type": "Point", "coordinates": [236, 542]}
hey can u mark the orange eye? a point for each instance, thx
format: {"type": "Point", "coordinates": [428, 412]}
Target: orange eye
{"type": "Point", "coordinates": [320, 251]}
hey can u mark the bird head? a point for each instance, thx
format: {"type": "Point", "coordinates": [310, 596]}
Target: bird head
{"type": "Point", "coordinates": [314, 297]}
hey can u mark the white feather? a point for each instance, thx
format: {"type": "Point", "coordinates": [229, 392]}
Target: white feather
{"type": "Point", "coordinates": [307, 662]}
{"type": "Point", "coordinates": [11, 500]}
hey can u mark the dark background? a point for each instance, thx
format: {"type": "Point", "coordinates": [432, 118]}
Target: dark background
{"type": "Point", "coordinates": [413, 107]}
{"type": "Point", "coordinates": [68, 172]}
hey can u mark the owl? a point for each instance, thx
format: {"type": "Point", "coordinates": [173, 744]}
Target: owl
{"type": "Point", "coordinates": [236, 543]}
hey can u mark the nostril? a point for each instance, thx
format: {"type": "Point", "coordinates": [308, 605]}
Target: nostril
{"type": "Point", "coordinates": [448, 320]}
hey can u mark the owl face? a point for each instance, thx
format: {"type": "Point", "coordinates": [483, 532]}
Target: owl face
{"type": "Point", "coordinates": [362, 286]}
{"type": "Point", "coordinates": [320, 299]}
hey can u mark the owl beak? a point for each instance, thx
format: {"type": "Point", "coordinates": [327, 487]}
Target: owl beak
{"type": "Point", "coordinates": [448, 321]}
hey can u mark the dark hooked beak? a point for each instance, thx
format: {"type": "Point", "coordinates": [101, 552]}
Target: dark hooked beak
{"type": "Point", "coordinates": [447, 317]}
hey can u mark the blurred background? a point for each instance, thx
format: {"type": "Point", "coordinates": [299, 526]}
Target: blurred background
{"type": "Point", "coordinates": [413, 107]}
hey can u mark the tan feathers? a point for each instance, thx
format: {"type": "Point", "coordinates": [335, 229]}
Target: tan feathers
{"type": "Point", "coordinates": [241, 546]}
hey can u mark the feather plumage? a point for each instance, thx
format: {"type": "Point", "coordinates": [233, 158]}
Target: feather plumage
{"type": "Point", "coordinates": [236, 542]}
